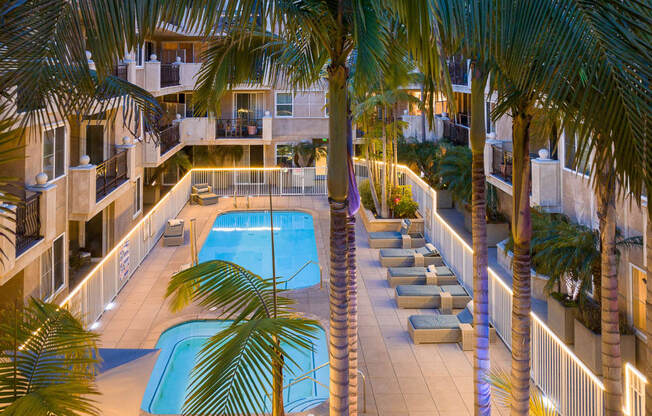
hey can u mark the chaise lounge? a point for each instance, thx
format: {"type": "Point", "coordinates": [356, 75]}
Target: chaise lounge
{"type": "Point", "coordinates": [397, 239]}
{"type": "Point", "coordinates": [173, 234]}
{"type": "Point", "coordinates": [432, 329]}
{"type": "Point", "coordinates": [446, 297]}
{"type": "Point", "coordinates": [403, 257]}
{"type": "Point", "coordinates": [202, 194]}
{"type": "Point", "coordinates": [431, 275]}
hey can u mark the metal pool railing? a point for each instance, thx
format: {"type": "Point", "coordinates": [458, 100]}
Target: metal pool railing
{"type": "Point", "coordinates": [555, 369]}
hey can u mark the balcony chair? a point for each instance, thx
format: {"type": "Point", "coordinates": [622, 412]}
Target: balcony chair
{"type": "Point", "coordinates": [432, 329]}
{"type": "Point", "coordinates": [202, 194]}
{"type": "Point", "coordinates": [397, 239]}
{"type": "Point", "coordinates": [401, 257]}
{"type": "Point", "coordinates": [173, 234]}
{"type": "Point", "coordinates": [446, 297]}
{"type": "Point", "coordinates": [431, 275]}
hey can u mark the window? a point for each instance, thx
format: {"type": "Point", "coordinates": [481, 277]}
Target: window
{"type": "Point", "coordinates": [283, 104]}
{"type": "Point", "coordinates": [571, 160]}
{"type": "Point", "coordinates": [139, 55]}
{"type": "Point", "coordinates": [491, 126]}
{"type": "Point", "coordinates": [639, 296]}
{"type": "Point", "coordinates": [284, 155]}
{"type": "Point", "coordinates": [52, 269]}
{"type": "Point", "coordinates": [54, 151]}
{"type": "Point", "coordinates": [138, 199]}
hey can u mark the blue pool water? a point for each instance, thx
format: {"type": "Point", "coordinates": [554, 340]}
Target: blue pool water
{"type": "Point", "coordinates": [166, 390]}
{"type": "Point", "coordinates": [243, 237]}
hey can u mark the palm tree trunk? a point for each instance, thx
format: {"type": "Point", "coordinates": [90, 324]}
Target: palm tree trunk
{"type": "Point", "coordinates": [352, 300]}
{"type": "Point", "coordinates": [481, 364]}
{"type": "Point", "coordinates": [337, 193]}
{"type": "Point", "coordinates": [384, 209]}
{"type": "Point", "coordinates": [611, 358]}
{"type": "Point", "coordinates": [522, 234]}
{"type": "Point", "coordinates": [277, 385]}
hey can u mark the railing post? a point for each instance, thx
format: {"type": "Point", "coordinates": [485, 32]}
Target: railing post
{"type": "Point", "coordinates": [152, 74]}
{"type": "Point", "coordinates": [130, 149]}
{"type": "Point", "coordinates": [7, 248]}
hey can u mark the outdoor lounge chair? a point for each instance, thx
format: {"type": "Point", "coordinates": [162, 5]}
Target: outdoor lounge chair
{"type": "Point", "coordinates": [432, 329]}
{"type": "Point", "coordinates": [397, 239]}
{"type": "Point", "coordinates": [446, 297]}
{"type": "Point", "coordinates": [173, 234]}
{"type": "Point", "coordinates": [202, 194]}
{"type": "Point", "coordinates": [402, 257]}
{"type": "Point", "coordinates": [431, 275]}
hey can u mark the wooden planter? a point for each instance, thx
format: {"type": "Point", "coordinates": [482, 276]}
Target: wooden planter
{"type": "Point", "coordinates": [496, 232]}
{"type": "Point", "coordinates": [561, 320]}
{"type": "Point", "coordinates": [444, 199]}
{"type": "Point", "coordinates": [588, 347]}
{"type": "Point", "coordinates": [538, 282]}
{"type": "Point", "coordinates": [373, 224]}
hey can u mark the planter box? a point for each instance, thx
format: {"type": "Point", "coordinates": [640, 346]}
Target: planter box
{"type": "Point", "coordinates": [373, 224]}
{"type": "Point", "coordinates": [539, 281]}
{"type": "Point", "coordinates": [495, 232]}
{"type": "Point", "coordinates": [444, 199]}
{"type": "Point", "coordinates": [588, 347]}
{"type": "Point", "coordinates": [561, 320]}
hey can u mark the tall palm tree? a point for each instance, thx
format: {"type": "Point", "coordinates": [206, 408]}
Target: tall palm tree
{"type": "Point", "coordinates": [234, 362]}
{"type": "Point", "coordinates": [48, 362]}
{"type": "Point", "coordinates": [295, 41]}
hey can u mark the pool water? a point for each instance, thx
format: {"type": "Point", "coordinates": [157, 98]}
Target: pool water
{"type": "Point", "coordinates": [243, 237]}
{"type": "Point", "coordinates": [167, 386]}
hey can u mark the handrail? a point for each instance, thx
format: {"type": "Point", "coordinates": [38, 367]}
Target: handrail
{"type": "Point", "coordinates": [301, 268]}
{"type": "Point", "coordinates": [364, 391]}
{"type": "Point", "coordinates": [305, 376]}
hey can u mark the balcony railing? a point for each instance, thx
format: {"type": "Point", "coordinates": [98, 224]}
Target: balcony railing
{"type": "Point", "coordinates": [239, 128]}
{"type": "Point", "coordinates": [169, 75]}
{"type": "Point", "coordinates": [120, 71]}
{"type": "Point", "coordinates": [458, 70]}
{"type": "Point", "coordinates": [501, 163]}
{"type": "Point", "coordinates": [456, 133]}
{"type": "Point", "coordinates": [110, 174]}
{"type": "Point", "coordinates": [169, 137]}
{"type": "Point", "coordinates": [28, 223]}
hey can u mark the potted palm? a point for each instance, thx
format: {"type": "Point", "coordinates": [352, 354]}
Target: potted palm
{"type": "Point", "coordinates": [455, 173]}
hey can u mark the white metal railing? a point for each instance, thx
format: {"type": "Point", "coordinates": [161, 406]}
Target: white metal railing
{"type": "Point", "coordinates": [556, 370]}
{"type": "Point", "coordinates": [101, 285]}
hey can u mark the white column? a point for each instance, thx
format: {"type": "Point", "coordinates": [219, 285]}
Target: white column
{"type": "Point", "coordinates": [267, 128]}
{"type": "Point", "coordinates": [130, 148]}
{"type": "Point", "coordinates": [488, 153]}
{"type": "Point", "coordinates": [47, 209]}
{"type": "Point", "coordinates": [152, 74]}
{"type": "Point", "coordinates": [546, 186]}
{"type": "Point", "coordinates": [8, 223]}
{"type": "Point", "coordinates": [83, 186]}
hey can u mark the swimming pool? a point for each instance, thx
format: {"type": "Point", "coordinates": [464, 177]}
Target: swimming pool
{"type": "Point", "coordinates": [166, 389]}
{"type": "Point", "coordinates": [243, 237]}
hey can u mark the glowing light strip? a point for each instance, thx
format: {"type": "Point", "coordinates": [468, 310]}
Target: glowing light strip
{"type": "Point", "coordinates": [630, 373]}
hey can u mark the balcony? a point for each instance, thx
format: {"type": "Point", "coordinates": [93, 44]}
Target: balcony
{"type": "Point", "coordinates": [169, 138]}
{"type": "Point", "coordinates": [456, 133]}
{"type": "Point", "coordinates": [501, 161]}
{"type": "Point", "coordinates": [121, 71]}
{"type": "Point", "coordinates": [239, 128]}
{"type": "Point", "coordinates": [110, 174]}
{"type": "Point", "coordinates": [170, 75]}
{"type": "Point", "coordinates": [28, 223]}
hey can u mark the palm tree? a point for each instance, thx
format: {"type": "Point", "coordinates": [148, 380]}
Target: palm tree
{"type": "Point", "coordinates": [295, 41]}
{"type": "Point", "coordinates": [502, 384]}
{"type": "Point", "coordinates": [48, 362]}
{"type": "Point", "coordinates": [234, 362]}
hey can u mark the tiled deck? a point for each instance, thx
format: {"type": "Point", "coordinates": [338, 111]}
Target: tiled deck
{"type": "Point", "coordinates": [402, 378]}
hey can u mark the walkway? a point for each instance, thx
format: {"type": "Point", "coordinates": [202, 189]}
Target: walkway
{"type": "Point", "coordinates": [402, 378]}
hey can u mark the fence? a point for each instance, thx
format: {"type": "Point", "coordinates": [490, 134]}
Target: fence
{"type": "Point", "coordinates": [28, 223]}
{"type": "Point", "coordinates": [556, 370]}
{"type": "Point", "coordinates": [169, 75]}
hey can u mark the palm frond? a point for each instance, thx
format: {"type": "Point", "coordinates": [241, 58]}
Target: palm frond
{"type": "Point", "coordinates": [502, 392]}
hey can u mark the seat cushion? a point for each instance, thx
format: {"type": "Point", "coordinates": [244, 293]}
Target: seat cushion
{"type": "Point", "coordinates": [434, 321]}
{"type": "Point", "coordinates": [407, 271]}
{"type": "Point", "coordinates": [385, 235]}
{"type": "Point", "coordinates": [418, 290]}
{"type": "Point", "coordinates": [443, 271]}
{"type": "Point", "coordinates": [396, 252]}
{"type": "Point", "coordinates": [466, 316]}
{"type": "Point", "coordinates": [455, 290]}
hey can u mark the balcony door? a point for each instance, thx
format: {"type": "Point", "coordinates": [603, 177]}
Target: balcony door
{"type": "Point", "coordinates": [248, 105]}
{"type": "Point", "coordinates": [95, 143]}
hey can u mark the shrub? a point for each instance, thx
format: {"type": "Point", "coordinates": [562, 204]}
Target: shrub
{"type": "Point", "coordinates": [401, 203]}
{"type": "Point", "coordinates": [365, 196]}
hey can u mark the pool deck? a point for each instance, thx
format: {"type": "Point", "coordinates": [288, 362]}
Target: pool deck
{"type": "Point", "coordinates": [402, 378]}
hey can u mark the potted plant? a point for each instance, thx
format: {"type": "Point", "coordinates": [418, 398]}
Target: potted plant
{"type": "Point", "coordinates": [455, 173]}
{"type": "Point", "coordinates": [424, 158]}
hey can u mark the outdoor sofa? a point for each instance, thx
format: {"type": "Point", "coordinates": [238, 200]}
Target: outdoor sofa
{"type": "Point", "coordinates": [402, 257]}
{"type": "Point", "coordinates": [431, 275]}
{"type": "Point", "coordinates": [445, 297]}
{"type": "Point", "coordinates": [432, 329]}
{"type": "Point", "coordinates": [173, 234]}
{"type": "Point", "coordinates": [202, 194]}
{"type": "Point", "coordinates": [397, 239]}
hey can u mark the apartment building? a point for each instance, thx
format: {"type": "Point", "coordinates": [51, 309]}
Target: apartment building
{"type": "Point", "coordinates": [85, 183]}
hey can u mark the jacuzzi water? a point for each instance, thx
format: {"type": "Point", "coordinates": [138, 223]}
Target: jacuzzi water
{"type": "Point", "coordinates": [243, 237]}
{"type": "Point", "coordinates": [167, 387]}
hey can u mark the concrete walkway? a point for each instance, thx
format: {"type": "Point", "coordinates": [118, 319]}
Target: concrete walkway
{"type": "Point", "coordinates": [402, 378]}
